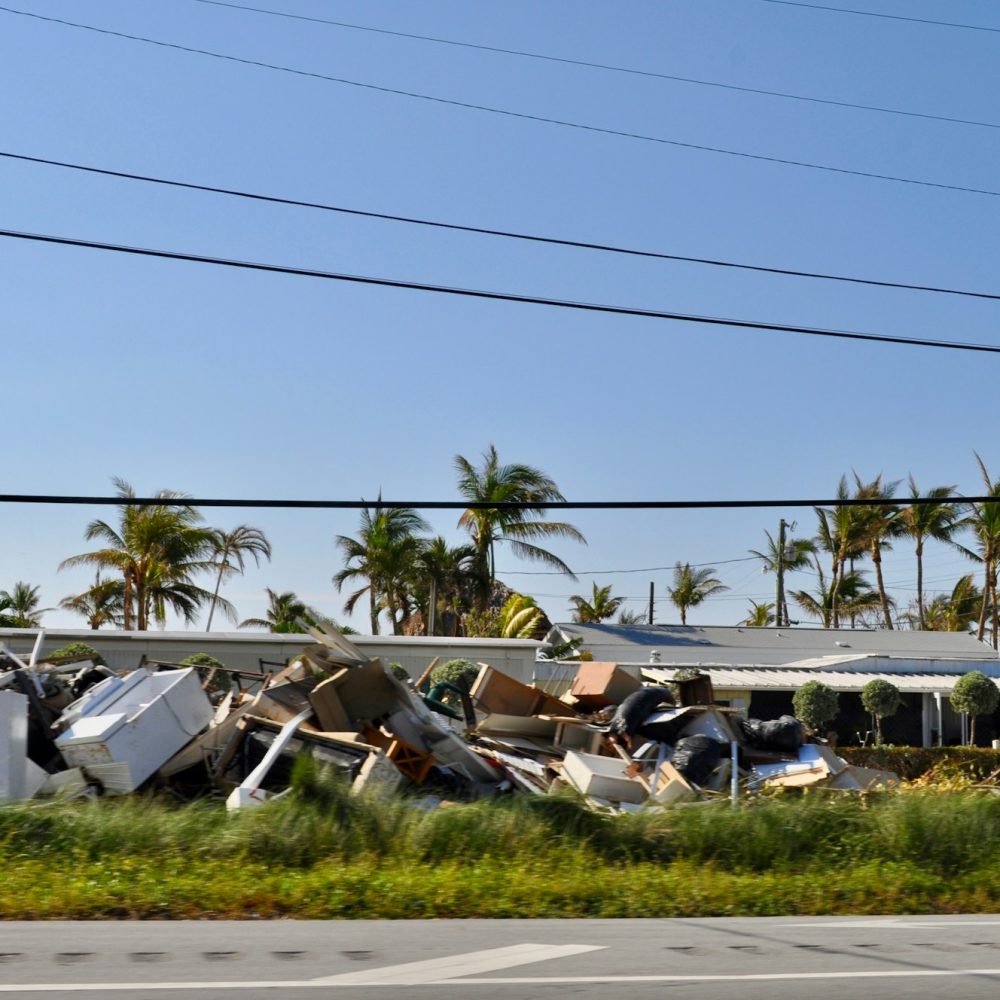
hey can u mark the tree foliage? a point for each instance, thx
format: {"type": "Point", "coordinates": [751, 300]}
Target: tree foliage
{"type": "Point", "coordinates": [519, 528]}
{"type": "Point", "coordinates": [881, 699]}
{"type": "Point", "coordinates": [692, 586]}
{"type": "Point", "coordinates": [974, 694]}
{"type": "Point", "coordinates": [816, 704]}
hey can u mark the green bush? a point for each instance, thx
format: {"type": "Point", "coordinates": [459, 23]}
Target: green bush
{"type": "Point", "coordinates": [73, 651]}
{"type": "Point", "coordinates": [461, 673]}
{"type": "Point", "coordinates": [916, 762]}
{"type": "Point", "coordinates": [206, 664]}
{"type": "Point", "coordinates": [974, 694]}
{"type": "Point", "coordinates": [815, 704]}
{"type": "Point", "coordinates": [881, 699]}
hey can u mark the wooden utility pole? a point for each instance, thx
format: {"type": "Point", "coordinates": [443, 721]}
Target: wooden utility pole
{"type": "Point", "coordinates": [779, 599]}
{"type": "Point", "coordinates": [652, 591]}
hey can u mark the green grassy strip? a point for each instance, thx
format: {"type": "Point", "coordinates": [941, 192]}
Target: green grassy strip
{"type": "Point", "coordinates": [322, 852]}
{"type": "Point", "coordinates": [177, 889]}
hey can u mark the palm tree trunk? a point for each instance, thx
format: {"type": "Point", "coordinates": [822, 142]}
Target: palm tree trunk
{"type": "Point", "coordinates": [920, 581]}
{"type": "Point", "coordinates": [882, 596]}
{"type": "Point", "coordinates": [995, 609]}
{"type": "Point", "coordinates": [684, 616]}
{"type": "Point", "coordinates": [215, 594]}
{"type": "Point", "coordinates": [972, 730]}
{"type": "Point", "coordinates": [838, 573]}
{"type": "Point", "coordinates": [373, 610]}
{"type": "Point", "coordinates": [987, 559]}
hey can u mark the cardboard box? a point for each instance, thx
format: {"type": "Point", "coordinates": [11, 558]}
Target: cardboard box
{"type": "Point", "coordinates": [599, 684]}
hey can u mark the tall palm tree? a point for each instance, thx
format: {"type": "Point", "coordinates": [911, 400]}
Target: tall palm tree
{"type": "Point", "coordinates": [795, 556]}
{"type": "Point", "coordinates": [983, 519]}
{"type": "Point", "coordinates": [101, 604]}
{"type": "Point", "coordinates": [229, 553]}
{"type": "Point", "coordinates": [692, 586]}
{"type": "Point", "coordinates": [633, 616]}
{"type": "Point", "coordinates": [488, 526]}
{"type": "Point", "coordinates": [938, 521]}
{"type": "Point", "coordinates": [443, 570]}
{"type": "Point", "coordinates": [880, 523]}
{"type": "Point", "coordinates": [157, 550]}
{"type": "Point", "coordinates": [20, 606]}
{"type": "Point", "coordinates": [599, 607]}
{"type": "Point", "coordinates": [383, 554]}
{"type": "Point", "coordinates": [842, 534]}
{"type": "Point", "coordinates": [855, 597]}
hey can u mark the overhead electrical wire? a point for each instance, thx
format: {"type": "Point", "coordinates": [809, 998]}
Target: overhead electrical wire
{"type": "Point", "coordinates": [522, 115]}
{"type": "Point", "coordinates": [608, 572]}
{"type": "Point", "coordinates": [544, 56]}
{"type": "Point", "coordinates": [383, 504]}
{"type": "Point", "coordinates": [888, 17]}
{"type": "Point", "coordinates": [502, 296]}
{"type": "Point", "coordinates": [484, 231]}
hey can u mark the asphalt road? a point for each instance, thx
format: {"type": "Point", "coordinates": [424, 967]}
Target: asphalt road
{"type": "Point", "coordinates": [742, 959]}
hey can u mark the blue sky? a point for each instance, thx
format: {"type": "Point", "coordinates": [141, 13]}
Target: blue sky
{"type": "Point", "coordinates": [224, 383]}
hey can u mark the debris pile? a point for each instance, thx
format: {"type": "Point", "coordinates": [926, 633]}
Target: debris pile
{"type": "Point", "coordinates": [77, 728]}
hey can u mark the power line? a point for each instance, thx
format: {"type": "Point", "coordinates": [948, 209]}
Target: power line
{"type": "Point", "coordinates": [606, 67]}
{"type": "Point", "coordinates": [522, 115]}
{"type": "Point", "coordinates": [484, 231]}
{"type": "Point", "coordinates": [383, 504]}
{"type": "Point", "coordinates": [505, 296]}
{"type": "Point", "coordinates": [605, 572]}
{"type": "Point", "coordinates": [888, 17]}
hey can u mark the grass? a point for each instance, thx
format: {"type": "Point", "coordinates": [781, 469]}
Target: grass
{"type": "Point", "coordinates": [321, 852]}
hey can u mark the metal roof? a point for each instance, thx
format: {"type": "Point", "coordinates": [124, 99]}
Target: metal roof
{"type": "Point", "coordinates": [720, 645]}
{"type": "Point", "coordinates": [749, 679]}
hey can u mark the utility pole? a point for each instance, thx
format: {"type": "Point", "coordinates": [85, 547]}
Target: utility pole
{"type": "Point", "coordinates": [779, 599]}
{"type": "Point", "coordinates": [652, 591]}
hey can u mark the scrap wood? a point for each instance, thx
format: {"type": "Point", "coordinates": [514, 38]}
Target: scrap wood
{"type": "Point", "coordinates": [411, 762]}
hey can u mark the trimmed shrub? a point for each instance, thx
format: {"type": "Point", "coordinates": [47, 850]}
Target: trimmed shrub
{"type": "Point", "coordinates": [815, 704]}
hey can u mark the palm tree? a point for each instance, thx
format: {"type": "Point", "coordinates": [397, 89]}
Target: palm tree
{"type": "Point", "coordinates": [495, 483]}
{"type": "Point", "coordinates": [983, 519]}
{"type": "Point", "coordinates": [854, 597]}
{"type": "Point", "coordinates": [760, 616]}
{"type": "Point", "coordinates": [938, 521]}
{"type": "Point", "coordinates": [600, 606]}
{"type": "Point", "coordinates": [953, 612]}
{"type": "Point", "coordinates": [100, 605]}
{"type": "Point", "coordinates": [692, 586]}
{"type": "Point", "coordinates": [795, 556]}
{"type": "Point", "coordinates": [21, 606]}
{"type": "Point", "coordinates": [229, 552]}
{"type": "Point", "coordinates": [637, 616]}
{"type": "Point", "coordinates": [384, 554]}
{"type": "Point", "coordinates": [879, 524]}
{"type": "Point", "coordinates": [442, 570]}
{"type": "Point", "coordinates": [286, 612]}
{"type": "Point", "coordinates": [156, 549]}
{"type": "Point", "coordinates": [842, 534]}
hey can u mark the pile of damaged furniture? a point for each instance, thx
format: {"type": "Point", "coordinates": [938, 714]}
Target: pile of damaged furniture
{"type": "Point", "coordinates": [79, 729]}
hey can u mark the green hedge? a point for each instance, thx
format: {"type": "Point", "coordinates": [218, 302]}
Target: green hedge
{"type": "Point", "coordinates": [913, 762]}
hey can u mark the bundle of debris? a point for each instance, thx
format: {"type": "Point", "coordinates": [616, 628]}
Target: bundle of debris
{"type": "Point", "coordinates": [77, 728]}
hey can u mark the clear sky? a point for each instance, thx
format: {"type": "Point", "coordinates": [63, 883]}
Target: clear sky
{"type": "Point", "coordinates": [226, 383]}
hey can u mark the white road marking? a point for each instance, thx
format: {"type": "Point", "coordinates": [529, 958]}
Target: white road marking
{"type": "Point", "coordinates": [893, 922]}
{"type": "Point", "coordinates": [429, 971]}
{"type": "Point", "coordinates": [717, 978]}
{"type": "Point", "coordinates": [435, 970]}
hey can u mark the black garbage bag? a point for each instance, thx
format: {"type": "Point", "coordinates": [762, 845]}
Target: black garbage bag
{"type": "Point", "coordinates": [636, 708]}
{"type": "Point", "coordinates": [783, 735]}
{"type": "Point", "coordinates": [696, 757]}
